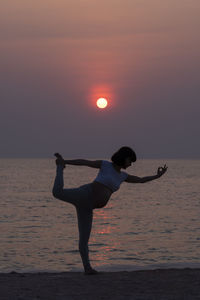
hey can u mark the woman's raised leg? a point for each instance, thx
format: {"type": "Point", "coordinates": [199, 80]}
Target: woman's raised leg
{"type": "Point", "coordinates": [58, 183]}
{"type": "Point", "coordinates": [76, 196]}
{"type": "Point", "coordinates": [67, 195]}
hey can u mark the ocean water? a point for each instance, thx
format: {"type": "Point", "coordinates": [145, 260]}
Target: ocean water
{"type": "Point", "coordinates": [151, 225]}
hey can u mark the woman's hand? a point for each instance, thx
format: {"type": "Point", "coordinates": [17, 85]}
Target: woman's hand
{"type": "Point", "coordinates": [162, 170]}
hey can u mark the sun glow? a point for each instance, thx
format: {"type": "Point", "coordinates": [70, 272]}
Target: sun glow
{"type": "Point", "coordinates": [101, 97]}
{"type": "Point", "coordinates": [102, 102]}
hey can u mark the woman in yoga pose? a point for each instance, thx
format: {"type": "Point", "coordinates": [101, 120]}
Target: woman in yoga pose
{"type": "Point", "coordinates": [96, 194]}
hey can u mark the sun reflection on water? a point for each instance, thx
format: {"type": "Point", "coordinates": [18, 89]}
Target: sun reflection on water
{"type": "Point", "coordinates": [99, 239]}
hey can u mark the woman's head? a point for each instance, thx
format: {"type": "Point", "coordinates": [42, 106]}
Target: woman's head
{"type": "Point", "coordinates": [124, 154]}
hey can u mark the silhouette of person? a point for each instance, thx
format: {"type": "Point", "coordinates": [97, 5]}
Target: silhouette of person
{"type": "Point", "coordinates": [96, 194]}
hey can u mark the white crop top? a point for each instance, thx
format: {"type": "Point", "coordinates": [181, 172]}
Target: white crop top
{"type": "Point", "coordinates": [109, 176]}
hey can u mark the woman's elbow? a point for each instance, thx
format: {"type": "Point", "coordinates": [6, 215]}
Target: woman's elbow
{"type": "Point", "coordinates": [141, 180]}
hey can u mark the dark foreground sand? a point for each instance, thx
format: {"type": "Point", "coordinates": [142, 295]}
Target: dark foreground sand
{"type": "Point", "coordinates": [157, 284]}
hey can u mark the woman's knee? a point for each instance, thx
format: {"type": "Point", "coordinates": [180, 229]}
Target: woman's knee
{"type": "Point", "coordinates": [57, 193]}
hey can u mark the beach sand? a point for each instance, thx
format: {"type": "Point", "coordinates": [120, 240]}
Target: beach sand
{"type": "Point", "coordinates": [154, 284]}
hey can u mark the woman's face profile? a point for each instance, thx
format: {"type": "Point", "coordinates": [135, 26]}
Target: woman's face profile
{"type": "Point", "coordinates": [127, 162]}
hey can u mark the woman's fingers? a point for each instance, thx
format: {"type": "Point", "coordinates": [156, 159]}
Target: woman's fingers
{"type": "Point", "coordinates": [162, 170]}
{"type": "Point", "coordinates": [165, 167]}
{"type": "Point", "coordinates": [159, 172]}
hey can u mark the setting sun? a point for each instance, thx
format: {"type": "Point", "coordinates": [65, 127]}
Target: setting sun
{"type": "Point", "coordinates": [102, 102]}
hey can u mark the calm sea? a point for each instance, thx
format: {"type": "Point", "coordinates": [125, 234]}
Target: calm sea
{"type": "Point", "coordinates": [144, 226]}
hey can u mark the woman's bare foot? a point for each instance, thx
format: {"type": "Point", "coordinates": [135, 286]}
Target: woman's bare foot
{"type": "Point", "coordinates": [59, 160]}
{"type": "Point", "coordinates": [90, 271]}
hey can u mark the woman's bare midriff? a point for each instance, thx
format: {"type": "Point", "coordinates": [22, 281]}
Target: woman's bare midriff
{"type": "Point", "coordinates": [101, 194]}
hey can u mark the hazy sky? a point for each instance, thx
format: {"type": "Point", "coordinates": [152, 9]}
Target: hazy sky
{"type": "Point", "coordinates": [58, 57]}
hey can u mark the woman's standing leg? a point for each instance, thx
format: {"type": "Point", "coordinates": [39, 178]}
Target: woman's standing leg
{"type": "Point", "coordinates": [85, 217]}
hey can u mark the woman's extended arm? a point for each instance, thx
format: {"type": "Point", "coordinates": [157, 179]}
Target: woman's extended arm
{"type": "Point", "coordinates": [84, 162]}
{"type": "Point", "coordinates": [135, 179]}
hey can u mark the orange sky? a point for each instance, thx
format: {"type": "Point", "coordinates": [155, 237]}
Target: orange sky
{"type": "Point", "coordinates": [143, 55]}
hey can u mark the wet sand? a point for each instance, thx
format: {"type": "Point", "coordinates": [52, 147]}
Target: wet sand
{"type": "Point", "coordinates": [183, 284]}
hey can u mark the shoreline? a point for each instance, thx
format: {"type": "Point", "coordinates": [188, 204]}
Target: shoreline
{"type": "Point", "coordinates": [140, 284]}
